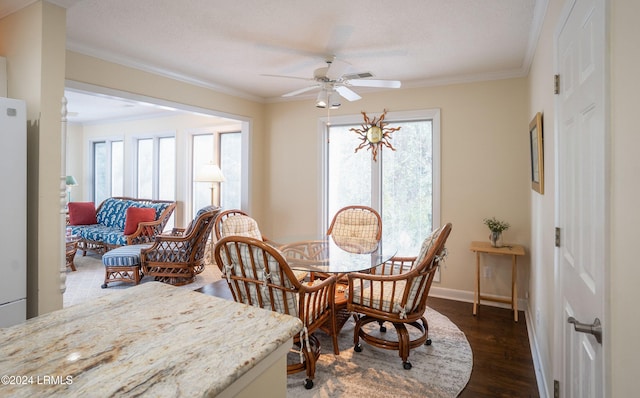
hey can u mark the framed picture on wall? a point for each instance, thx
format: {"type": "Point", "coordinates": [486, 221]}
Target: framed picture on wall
{"type": "Point", "coordinates": [537, 155]}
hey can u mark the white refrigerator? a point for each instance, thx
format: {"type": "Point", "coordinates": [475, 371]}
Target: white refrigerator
{"type": "Point", "coordinates": [13, 212]}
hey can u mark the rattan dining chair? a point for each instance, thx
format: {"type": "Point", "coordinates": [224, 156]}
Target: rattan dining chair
{"type": "Point", "coordinates": [258, 275]}
{"type": "Point", "coordinates": [240, 224]}
{"type": "Point", "coordinates": [237, 222]}
{"type": "Point", "coordinates": [356, 228]}
{"type": "Point", "coordinates": [397, 292]}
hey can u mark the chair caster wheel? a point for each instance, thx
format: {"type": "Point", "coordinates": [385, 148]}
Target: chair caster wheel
{"type": "Point", "coordinates": [104, 286]}
{"type": "Point", "coordinates": [428, 342]}
{"type": "Point", "coordinates": [406, 365]}
{"type": "Point", "coordinates": [308, 384]}
{"type": "Point", "coordinates": [383, 328]}
{"type": "Point", "coordinates": [357, 348]}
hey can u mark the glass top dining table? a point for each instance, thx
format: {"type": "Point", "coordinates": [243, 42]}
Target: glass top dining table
{"type": "Point", "coordinates": [326, 255]}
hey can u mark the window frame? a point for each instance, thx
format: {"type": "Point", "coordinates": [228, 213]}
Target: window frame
{"type": "Point", "coordinates": [108, 142]}
{"type": "Point", "coordinates": [391, 117]}
{"type": "Point", "coordinates": [155, 168]}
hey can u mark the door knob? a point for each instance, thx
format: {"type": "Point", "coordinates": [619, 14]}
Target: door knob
{"type": "Point", "coordinates": [595, 328]}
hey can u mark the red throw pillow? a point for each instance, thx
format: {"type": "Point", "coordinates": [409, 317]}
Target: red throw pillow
{"type": "Point", "coordinates": [137, 215]}
{"type": "Point", "coordinates": [82, 213]}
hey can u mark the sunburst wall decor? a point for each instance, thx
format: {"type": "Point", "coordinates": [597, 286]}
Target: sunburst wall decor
{"type": "Point", "coordinates": [374, 134]}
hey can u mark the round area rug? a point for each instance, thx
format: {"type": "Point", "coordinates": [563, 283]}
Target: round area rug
{"type": "Point", "coordinates": [439, 370]}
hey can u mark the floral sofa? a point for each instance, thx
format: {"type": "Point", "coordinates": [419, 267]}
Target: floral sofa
{"type": "Point", "coordinates": [118, 221]}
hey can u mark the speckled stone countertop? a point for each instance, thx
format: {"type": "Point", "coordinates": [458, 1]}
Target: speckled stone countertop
{"type": "Point", "coordinates": [154, 340]}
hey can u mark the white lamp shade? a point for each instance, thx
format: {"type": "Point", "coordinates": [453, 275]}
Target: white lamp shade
{"type": "Point", "coordinates": [209, 173]}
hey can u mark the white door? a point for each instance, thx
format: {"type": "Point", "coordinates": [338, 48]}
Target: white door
{"type": "Point", "coordinates": [581, 203]}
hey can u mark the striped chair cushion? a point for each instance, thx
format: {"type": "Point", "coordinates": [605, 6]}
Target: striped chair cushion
{"type": "Point", "coordinates": [380, 301]}
{"type": "Point", "coordinates": [124, 256]}
{"type": "Point", "coordinates": [286, 303]}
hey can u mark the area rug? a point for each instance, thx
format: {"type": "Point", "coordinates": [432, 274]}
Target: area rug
{"type": "Point", "coordinates": [85, 283]}
{"type": "Point", "coordinates": [439, 370]}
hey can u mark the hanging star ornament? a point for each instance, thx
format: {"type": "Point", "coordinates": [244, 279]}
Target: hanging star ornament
{"type": "Point", "coordinates": [374, 134]}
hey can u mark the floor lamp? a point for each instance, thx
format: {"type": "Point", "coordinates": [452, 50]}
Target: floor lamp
{"type": "Point", "coordinates": [210, 172]}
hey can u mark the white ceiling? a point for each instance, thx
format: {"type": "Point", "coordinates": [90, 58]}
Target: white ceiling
{"type": "Point", "coordinates": [230, 45]}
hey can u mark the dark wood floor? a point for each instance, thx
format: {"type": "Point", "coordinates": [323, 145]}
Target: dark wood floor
{"type": "Point", "coordinates": [502, 363]}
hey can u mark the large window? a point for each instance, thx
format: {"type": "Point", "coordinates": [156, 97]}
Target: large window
{"type": "Point", "coordinates": [156, 165]}
{"type": "Point", "coordinates": [403, 185]}
{"type": "Point", "coordinates": [226, 153]}
{"type": "Point", "coordinates": [108, 169]}
{"type": "Point", "coordinates": [156, 170]}
{"type": "Point", "coordinates": [231, 165]}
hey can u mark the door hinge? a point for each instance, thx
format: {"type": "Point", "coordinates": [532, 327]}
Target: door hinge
{"type": "Point", "coordinates": [556, 84]}
{"type": "Point", "coordinates": [557, 237]}
{"type": "Point", "coordinates": [556, 389]}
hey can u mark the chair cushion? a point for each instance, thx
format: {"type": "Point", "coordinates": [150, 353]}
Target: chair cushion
{"type": "Point", "coordinates": [82, 213]}
{"type": "Point", "coordinates": [241, 225]}
{"type": "Point", "coordinates": [136, 215]}
{"type": "Point", "coordinates": [250, 292]}
{"type": "Point", "coordinates": [385, 299]}
{"type": "Point", "coordinates": [124, 256]}
{"type": "Point", "coordinates": [356, 230]}
{"type": "Point", "coordinates": [427, 244]}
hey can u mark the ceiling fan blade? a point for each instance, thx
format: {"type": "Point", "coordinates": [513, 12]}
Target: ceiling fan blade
{"type": "Point", "coordinates": [337, 69]}
{"type": "Point", "coordinates": [375, 83]}
{"type": "Point", "coordinates": [300, 91]}
{"type": "Point", "coordinates": [287, 77]}
{"type": "Point", "coordinates": [347, 93]}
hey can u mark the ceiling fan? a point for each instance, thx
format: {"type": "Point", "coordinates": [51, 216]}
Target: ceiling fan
{"type": "Point", "coordinates": [334, 81]}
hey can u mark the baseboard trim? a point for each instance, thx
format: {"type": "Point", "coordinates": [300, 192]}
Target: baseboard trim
{"type": "Point", "coordinates": [535, 354]}
{"type": "Point", "coordinates": [468, 297]}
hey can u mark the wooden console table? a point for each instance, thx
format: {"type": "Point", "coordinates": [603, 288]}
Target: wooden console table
{"type": "Point", "coordinates": [509, 250]}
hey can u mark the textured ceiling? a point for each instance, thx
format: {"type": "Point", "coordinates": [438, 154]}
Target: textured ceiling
{"type": "Point", "coordinates": [231, 45]}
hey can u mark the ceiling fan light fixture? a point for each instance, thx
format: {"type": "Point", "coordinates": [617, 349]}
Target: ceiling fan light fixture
{"type": "Point", "coordinates": [322, 99]}
{"type": "Point", "coordinates": [333, 99]}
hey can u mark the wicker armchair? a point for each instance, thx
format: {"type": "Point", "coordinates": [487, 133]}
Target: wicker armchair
{"type": "Point", "coordinates": [177, 258]}
{"type": "Point", "coordinates": [259, 275]}
{"type": "Point", "coordinates": [397, 292]}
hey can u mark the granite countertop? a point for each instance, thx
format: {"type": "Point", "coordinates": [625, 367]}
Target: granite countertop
{"type": "Point", "coordinates": [152, 339]}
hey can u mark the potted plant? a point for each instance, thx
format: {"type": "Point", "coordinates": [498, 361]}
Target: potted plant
{"type": "Point", "coordinates": [496, 227]}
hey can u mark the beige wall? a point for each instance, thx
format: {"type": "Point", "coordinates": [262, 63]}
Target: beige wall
{"type": "Point", "coordinates": [542, 283]}
{"type": "Point", "coordinates": [623, 325]}
{"type": "Point", "coordinates": [33, 41]}
{"type": "Point", "coordinates": [485, 169]}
